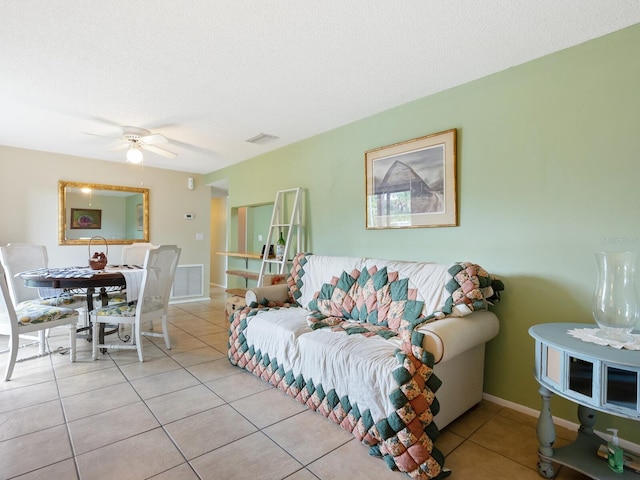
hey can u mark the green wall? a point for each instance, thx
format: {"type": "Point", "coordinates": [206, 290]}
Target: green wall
{"type": "Point", "coordinates": [548, 169]}
{"type": "Point", "coordinates": [258, 221]}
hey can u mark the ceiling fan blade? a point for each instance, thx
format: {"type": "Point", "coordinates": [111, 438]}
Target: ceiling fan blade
{"type": "Point", "coordinates": [104, 136]}
{"type": "Point", "coordinates": [159, 151]}
{"type": "Point", "coordinates": [153, 138]}
{"type": "Point", "coordinates": [120, 147]}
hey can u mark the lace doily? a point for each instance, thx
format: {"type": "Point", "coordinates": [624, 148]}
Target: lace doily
{"type": "Point", "coordinates": [591, 335]}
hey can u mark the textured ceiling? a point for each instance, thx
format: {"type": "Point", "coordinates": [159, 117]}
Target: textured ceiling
{"type": "Point", "coordinates": [210, 74]}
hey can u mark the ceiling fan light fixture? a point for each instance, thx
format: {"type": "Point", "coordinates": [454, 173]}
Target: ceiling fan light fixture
{"type": "Point", "coordinates": [134, 154]}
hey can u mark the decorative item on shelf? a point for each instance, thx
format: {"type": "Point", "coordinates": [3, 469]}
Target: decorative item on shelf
{"type": "Point", "coordinates": [98, 260]}
{"type": "Point", "coordinates": [615, 455]}
{"type": "Point", "coordinates": [280, 248]}
{"type": "Point", "coordinates": [270, 254]}
{"type": "Point", "coordinates": [630, 460]}
{"type": "Point", "coordinates": [615, 304]}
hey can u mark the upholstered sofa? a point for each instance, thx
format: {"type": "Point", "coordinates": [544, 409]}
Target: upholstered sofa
{"type": "Point", "coordinates": [391, 351]}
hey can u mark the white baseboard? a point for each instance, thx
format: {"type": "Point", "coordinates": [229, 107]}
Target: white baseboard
{"type": "Point", "coordinates": [625, 444]}
{"type": "Point", "coordinates": [188, 300]}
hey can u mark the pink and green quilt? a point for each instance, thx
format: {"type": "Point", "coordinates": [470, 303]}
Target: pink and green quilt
{"type": "Point", "coordinates": [353, 355]}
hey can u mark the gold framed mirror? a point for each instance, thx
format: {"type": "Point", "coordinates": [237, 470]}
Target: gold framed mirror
{"type": "Point", "coordinates": [119, 214]}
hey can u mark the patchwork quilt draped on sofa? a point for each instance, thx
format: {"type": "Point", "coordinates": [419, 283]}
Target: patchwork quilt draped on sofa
{"type": "Point", "coordinates": [351, 350]}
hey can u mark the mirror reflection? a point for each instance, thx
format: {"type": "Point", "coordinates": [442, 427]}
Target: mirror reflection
{"type": "Point", "coordinates": [119, 214]}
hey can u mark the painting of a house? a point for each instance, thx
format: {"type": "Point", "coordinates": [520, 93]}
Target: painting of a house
{"type": "Point", "coordinates": [409, 188]}
{"type": "Point", "coordinates": [420, 196]}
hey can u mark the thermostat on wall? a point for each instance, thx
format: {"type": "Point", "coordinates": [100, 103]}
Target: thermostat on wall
{"type": "Point", "coordinates": [188, 216]}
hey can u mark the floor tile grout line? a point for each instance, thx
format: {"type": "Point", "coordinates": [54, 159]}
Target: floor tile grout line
{"type": "Point", "coordinates": [247, 436]}
{"type": "Point", "coordinates": [252, 423]}
{"type": "Point", "coordinates": [26, 386]}
{"type": "Point", "coordinates": [59, 399]}
{"type": "Point", "coordinates": [66, 421]}
{"type": "Point", "coordinates": [475, 442]}
{"type": "Point", "coordinates": [482, 424]}
{"type": "Point", "coordinates": [302, 469]}
{"type": "Point", "coordinates": [160, 424]}
{"type": "Point", "coordinates": [225, 402]}
{"type": "Point", "coordinates": [163, 425]}
{"type": "Point", "coordinates": [262, 429]}
{"type": "Point", "coordinates": [315, 459]}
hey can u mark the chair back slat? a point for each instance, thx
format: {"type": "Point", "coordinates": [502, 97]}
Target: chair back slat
{"type": "Point", "coordinates": [20, 257]}
{"type": "Point", "coordinates": [160, 266]}
{"type": "Point", "coordinates": [8, 320]}
{"type": "Point", "coordinates": [31, 318]}
{"type": "Point", "coordinates": [135, 253]}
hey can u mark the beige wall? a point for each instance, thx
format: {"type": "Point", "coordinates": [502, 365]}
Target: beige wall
{"type": "Point", "coordinates": [218, 240]}
{"type": "Point", "coordinates": [29, 199]}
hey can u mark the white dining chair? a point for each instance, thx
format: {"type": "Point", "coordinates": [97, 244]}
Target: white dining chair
{"type": "Point", "coordinates": [152, 303]}
{"type": "Point", "coordinates": [29, 318]}
{"type": "Point", "coordinates": [134, 254]}
{"type": "Point", "coordinates": [21, 257]}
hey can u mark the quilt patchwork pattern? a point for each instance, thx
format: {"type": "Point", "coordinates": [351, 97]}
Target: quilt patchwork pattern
{"type": "Point", "coordinates": [467, 286]}
{"type": "Point", "coordinates": [372, 302]}
{"type": "Point", "coordinates": [294, 281]}
{"type": "Point", "coordinates": [404, 439]}
{"type": "Point", "coordinates": [371, 296]}
{"type": "Point", "coordinates": [368, 330]}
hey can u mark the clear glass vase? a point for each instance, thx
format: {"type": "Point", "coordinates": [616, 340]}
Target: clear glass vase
{"type": "Point", "coordinates": [615, 300]}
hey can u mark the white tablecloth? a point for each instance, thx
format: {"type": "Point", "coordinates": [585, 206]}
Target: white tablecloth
{"type": "Point", "coordinates": [133, 278]}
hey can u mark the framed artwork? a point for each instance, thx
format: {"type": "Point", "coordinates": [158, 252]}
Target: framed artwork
{"type": "Point", "coordinates": [412, 183]}
{"type": "Point", "coordinates": [139, 217]}
{"type": "Point", "coordinates": [86, 218]}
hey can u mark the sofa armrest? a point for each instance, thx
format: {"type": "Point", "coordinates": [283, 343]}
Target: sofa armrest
{"type": "Point", "coordinates": [451, 336]}
{"type": "Point", "coordinates": [275, 293]}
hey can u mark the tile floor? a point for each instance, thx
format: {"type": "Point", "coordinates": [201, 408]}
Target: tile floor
{"type": "Point", "coordinates": [188, 414]}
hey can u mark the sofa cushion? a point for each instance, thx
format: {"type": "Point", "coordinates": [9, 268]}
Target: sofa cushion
{"type": "Point", "coordinates": [31, 312]}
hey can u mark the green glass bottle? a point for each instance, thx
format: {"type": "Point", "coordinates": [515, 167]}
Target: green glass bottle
{"type": "Point", "coordinates": [280, 248]}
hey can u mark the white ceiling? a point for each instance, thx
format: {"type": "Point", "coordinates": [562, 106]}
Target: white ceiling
{"type": "Point", "coordinates": [210, 74]}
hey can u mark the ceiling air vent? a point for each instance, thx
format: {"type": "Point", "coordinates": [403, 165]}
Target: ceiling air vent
{"type": "Point", "coordinates": [262, 138]}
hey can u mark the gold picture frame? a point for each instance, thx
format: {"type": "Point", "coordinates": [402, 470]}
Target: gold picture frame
{"type": "Point", "coordinates": [139, 217]}
{"type": "Point", "coordinates": [412, 184]}
{"type": "Point", "coordinates": [86, 218]}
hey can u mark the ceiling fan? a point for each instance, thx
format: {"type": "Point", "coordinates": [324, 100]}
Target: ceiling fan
{"type": "Point", "coordinates": [137, 139]}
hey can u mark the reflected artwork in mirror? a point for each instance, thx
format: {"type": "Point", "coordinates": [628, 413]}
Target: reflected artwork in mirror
{"type": "Point", "coordinates": [123, 213]}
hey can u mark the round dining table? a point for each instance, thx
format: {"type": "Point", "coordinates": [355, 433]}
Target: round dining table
{"type": "Point", "coordinates": [100, 280]}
